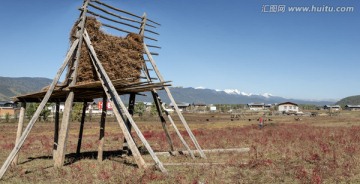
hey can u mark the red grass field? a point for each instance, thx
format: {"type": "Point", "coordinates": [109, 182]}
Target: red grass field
{"type": "Point", "coordinates": [314, 150]}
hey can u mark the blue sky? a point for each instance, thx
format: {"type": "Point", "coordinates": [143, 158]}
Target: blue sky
{"type": "Point", "coordinates": [211, 43]}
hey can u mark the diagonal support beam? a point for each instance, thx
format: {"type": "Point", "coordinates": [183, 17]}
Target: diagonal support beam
{"type": "Point", "coordinates": [160, 106]}
{"type": "Point", "coordinates": [121, 110]}
{"type": "Point", "coordinates": [38, 111]}
{"type": "Point", "coordinates": [152, 61]}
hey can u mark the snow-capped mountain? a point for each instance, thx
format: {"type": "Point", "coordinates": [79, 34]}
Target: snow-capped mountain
{"type": "Point", "coordinates": [227, 96]}
{"type": "Point", "coordinates": [238, 92]}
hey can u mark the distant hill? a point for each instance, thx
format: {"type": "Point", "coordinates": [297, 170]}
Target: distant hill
{"type": "Point", "coordinates": [10, 87]}
{"type": "Point", "coordinates": [211, 96]}
{"type": "Point", "coordinates": [351, 100]}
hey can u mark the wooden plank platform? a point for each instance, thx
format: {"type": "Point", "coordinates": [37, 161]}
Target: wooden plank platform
{"type": "Point", "coordinates": [92, 90]}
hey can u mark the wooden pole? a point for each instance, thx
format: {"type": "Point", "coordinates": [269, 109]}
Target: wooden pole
{"type": "Point", "coordinates": [128, 124]}
{"type": "Point", "coordinates": [37, 112]}
{"type": "Point", "coordinates": [122, 11]}
{"type": "Point", "coordinates": [56, 127]}
{"type": "Point", "coordinates": [113, 14]}
{"type": "Point", "coordinates": [81, 130]}
{"type": "Point", "coordinates": [230, 150]}
{"type": "Point", "coordinates": [180, 136]}
{"type": "Point", "coordinates": [113, 97]}
{"type": "Point", "coordinates": [120, 108]}
{"type": "Point", "coordinates": [102, 129]}
{"type": "Point", "coordinates": [60, 153]}
{"type": "Point", "coordinates": [162, 119]}
{"type": "Point", "coordinates": [19, 129]}
{"type": "Point", "coordinates": [173, 102]}
{"type": "Point", "coordinates": [155, 95]}
{"type": "Point", "coordinates": [156, 98]}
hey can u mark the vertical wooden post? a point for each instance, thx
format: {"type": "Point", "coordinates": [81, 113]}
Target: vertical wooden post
{"type": "Point", "coordinates": [56, 127]}
{"type": "Point", "coordinates": [19, 129]}
{"type": "Point", "coordinates": [81, 130]}
{"type": "Point", "coordinates": [60, 153]}
{"type": "Point", "coordinates": [63, 134]}
{"type": "Point", "coordinates": [127, 123]}
{"type": "Point", "coordinates": [156, 99]}
{"type": "Point", "coordinates": [162, 119]}
{"type": "Point", "coordinates": [102, 129]}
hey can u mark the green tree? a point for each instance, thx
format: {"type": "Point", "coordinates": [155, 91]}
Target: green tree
{"type": "Point", "coordinates": [153, 110]}
{"type": "Point", "coordinates": [30, 110]}
{"type": "Point", "coordinates": [76, 111]}
{"type": "Point", "coordinates": [45, 112]}
{"type": "Point", "coordinates": [139, 108]}
{"type": "Point", "coordinates": [7, 117]}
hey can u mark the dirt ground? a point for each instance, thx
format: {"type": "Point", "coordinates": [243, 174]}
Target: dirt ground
{"type": "Point", "coordinates": [319, 149]}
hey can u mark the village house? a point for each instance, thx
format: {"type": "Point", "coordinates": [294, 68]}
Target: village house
{"type": "Point", "coordinates": [288, 107]}
{"type": "Point", "coordinates": [352, 107]}
{"type": "Point", "coordinates": [199, 107]}
{"type": "Point", "coordinates": [8, 107]}
{"type": "Point", "coordinates": [332, 107]}
{"type": "Point", "coordinates": [256, 106]}
{"type": "Point", "coordinates": [182, 106]}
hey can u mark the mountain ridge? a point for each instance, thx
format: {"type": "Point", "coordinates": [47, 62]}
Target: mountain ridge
{"type": "Point", "coordinates": [14, 86]}
{"type": "Point", "coordinates": [10, 87]}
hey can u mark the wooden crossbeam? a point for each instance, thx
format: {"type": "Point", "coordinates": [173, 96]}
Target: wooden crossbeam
{"type": "Point", "coordinates": [123, 11]}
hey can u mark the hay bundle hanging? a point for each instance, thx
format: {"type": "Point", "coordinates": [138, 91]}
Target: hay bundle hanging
{"type": "Point", "coordinates": [122, 58]}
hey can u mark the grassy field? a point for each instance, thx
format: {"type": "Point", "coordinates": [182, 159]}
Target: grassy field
{"type": "Point", "coordinates": [314, 150]}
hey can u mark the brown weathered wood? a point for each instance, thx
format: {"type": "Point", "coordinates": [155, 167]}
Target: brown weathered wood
{"type": "Point", "coordinates": [142, 25]}
{"type": "Point", "coordinates": [194, 164]}
{"type": "Point", "coordinates": [162, 119]}
{"type": "Point", "coordinates": [81, 129]}
{"type": "Point", "coordinates": [19, 129]}
{"type": "Point", "coordinates": [112, 20]}
{"type": "Point", "coordinates": [56, 127]}
{"type": "Point", "coordinates": [38, 111]}
{"type": "Point", "coordinates": [230, 150]}
{"type": "Point", "coordinates": [123, 30]}
{"type": "Point", "coordinates": [100, 156]}
{"type": "Point", "coordinates": [123, 11]}
{"type": "Point", "coordinates": [113, 14]}
{"type": "Point", "coordinates": [179, 135]}
{"type": "Point", "coordinates": [119, 105]}
{"type": "Point", "coordinates": [128, 124]}
{"type": "Point", "coordinates": [113, 96]}
{"type": "Point", "coordinates": [63, 135]}
{"type": "Point", "coordinates": [156, 98]}
{"type": "Point", "coordinates": [64, 132]}
{"type": "Point", "coordinates": [154, 46]}
{"type": "Point", "coordinates": [173, 102]}
{"type": "Point", "coordinates": [160, 103]}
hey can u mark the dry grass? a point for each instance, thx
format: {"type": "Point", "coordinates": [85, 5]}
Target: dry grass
{"type": "Point", "coordinates": [314, 150]}
{"type": "Point", "coordinates": [122, 58]}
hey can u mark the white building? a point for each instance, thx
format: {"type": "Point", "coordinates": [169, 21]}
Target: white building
{"type": "Point", "coordinates": [288, 107]}
{"type": "Point", "coordinates": [256, 106]}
